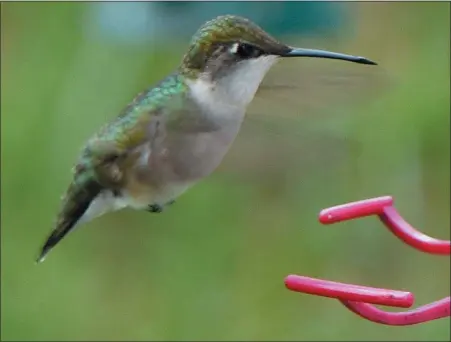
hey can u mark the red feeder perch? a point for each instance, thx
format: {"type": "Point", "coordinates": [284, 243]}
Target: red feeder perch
{"type": "Point", "coordinates": [361, 299]}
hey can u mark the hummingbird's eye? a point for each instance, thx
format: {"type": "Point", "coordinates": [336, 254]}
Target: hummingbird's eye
{"type": "Point", "coordinates": [246, 51]}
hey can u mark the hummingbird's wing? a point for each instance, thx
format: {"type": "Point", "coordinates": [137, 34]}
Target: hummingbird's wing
{"type": "Point", "coordinates": [301, 108]}
{"type": "Point", "coordinates": [307, 88]}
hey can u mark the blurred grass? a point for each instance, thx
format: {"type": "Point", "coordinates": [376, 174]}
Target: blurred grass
{"type": "Point", "coordinates": [212, 267]}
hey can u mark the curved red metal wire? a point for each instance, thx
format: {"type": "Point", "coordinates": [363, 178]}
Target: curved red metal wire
{"type": "Point", "coordinates": [425, 313]}
{"type": "Point", "coordinates": [353, 210]}
{"type": "Point", "coordinates": [360, 299]}
{"type": "Point", "coordinates": [383, 207]}
{"type": "Point", "coordinates": [411, 236]}
{"type": "Point", "coordinates": [349, 292]}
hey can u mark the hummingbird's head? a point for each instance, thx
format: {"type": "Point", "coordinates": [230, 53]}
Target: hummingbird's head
{"type": "Point", "coordinates": [234, 53]}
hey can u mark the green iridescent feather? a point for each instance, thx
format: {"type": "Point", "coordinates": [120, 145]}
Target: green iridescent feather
{"type": "Point", "coordinates": [128, 129]}
{"type": "Point", "coordinates": [224, 29]}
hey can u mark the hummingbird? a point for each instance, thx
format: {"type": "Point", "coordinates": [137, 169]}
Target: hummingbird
{"type": "Point", "coordinates": [177, 132]}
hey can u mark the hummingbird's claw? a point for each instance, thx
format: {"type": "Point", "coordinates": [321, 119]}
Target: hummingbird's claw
{"type": "Point", "coordinates": [155, 208]}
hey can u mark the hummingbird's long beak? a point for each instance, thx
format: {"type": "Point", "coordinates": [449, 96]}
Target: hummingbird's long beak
{"type": "Point", "coordinates": [298, 52]}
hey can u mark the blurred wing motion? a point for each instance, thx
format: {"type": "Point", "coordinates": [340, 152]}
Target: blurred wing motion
{"type": "Point", "coordinates": [312, 86]}
{"type": "Point", "coordinates": [300, 115]}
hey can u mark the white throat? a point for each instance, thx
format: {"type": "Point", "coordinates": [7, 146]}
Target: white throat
{"type": "Point", "coordinates": [235, 90]}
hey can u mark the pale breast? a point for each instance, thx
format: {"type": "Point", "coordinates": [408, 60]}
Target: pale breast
{"type": "Point", "coordinates": [181, 152]}
{"type": "Point", "coordinates": [194, 156]}
{"type": "Point", "coordinates": [169, 166]}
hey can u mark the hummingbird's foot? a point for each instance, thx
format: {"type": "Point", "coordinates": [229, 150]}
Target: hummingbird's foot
{"type": "Point", "coordinates": [155, 208]}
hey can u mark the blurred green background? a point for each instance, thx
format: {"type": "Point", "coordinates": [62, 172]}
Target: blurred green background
{"type": "Point", "coordinates": [212, 266]}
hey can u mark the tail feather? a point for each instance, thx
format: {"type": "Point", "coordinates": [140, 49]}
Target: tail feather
{"type": "Point", "coordinates": [77, 200]}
